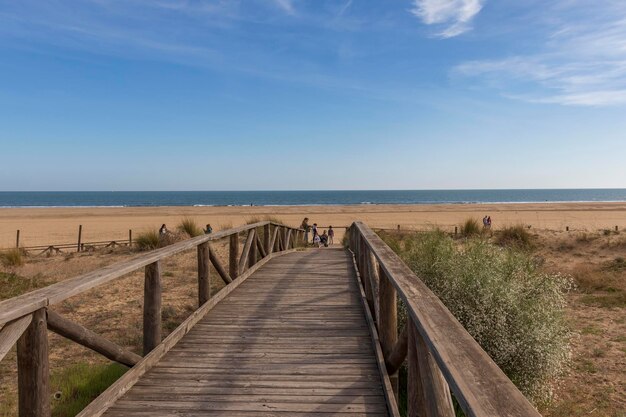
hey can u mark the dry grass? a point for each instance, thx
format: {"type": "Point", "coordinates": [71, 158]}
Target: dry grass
{"type": "Point", "coordinates": [517, 236]}
{"type": "Point", "coordinates": [147, 240]}
{"type": "Point", "coordinates": [12, 257]}
{"type": "Point", "coordinates": [471, 227]}
{"type": "Point", "coordinates": [257, 219]}
{"type": "Point", "coordinates": [189, 227]}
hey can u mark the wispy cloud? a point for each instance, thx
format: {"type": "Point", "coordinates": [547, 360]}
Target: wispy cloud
{"type": "Point", "coordinates": [582, 61]}
{"type": "Point", "coordinates": [286, 5]}
{"type": "Point", "coordinates": [454, 16]}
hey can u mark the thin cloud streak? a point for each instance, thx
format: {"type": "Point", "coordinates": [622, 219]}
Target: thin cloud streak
{"type": "Point", "coordinates": [454, 15]}
{"type": "Point", "coordinates": [582, 63]}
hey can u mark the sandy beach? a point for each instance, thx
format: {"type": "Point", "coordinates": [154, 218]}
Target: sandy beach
{"type": "Point", "coordinates": [42, 226]}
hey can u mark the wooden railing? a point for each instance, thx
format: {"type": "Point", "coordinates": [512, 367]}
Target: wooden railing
{"type": "Point", "coordinates": [25, 319]}
{"type": "Point", "coordinates": [442, 357]}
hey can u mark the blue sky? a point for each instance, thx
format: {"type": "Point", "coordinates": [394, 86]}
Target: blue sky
{"type": "Point", "coordinates": [304, 94]}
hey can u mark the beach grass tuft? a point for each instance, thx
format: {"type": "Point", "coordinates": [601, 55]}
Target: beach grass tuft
{"type": "Point", "coordinates": [471, 227]}
{"type": "Point", "coordinates": [257, 219]}
{"type": "Point", "coordinates": [148, 240]}
{"type": "Point", "coordinates": [189, 227]}
{"type": "Point", "coordinates": [12, 257]}
{"type": "Point", "coordinates": [516, 235]}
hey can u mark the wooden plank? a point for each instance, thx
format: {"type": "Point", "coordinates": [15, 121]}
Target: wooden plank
{"type": "Point", "coordinates": [85, 337]}
{"type": "Point", "coordinates": [259, 246]}
{"type": "Point", "coordinates": [219, 267]}
{"type": "Point", "coordinates": [267, 236]}
{"type": "Point", "coordinates": [33, 368]}
{"type": "Point", "coordinates": [204, 279]}
{"type": "Point", "coordinates": [481, 388]}
{"type": "Point", "coordinates": [97, 407]}
{"type": "Point", "coordinates": [152, 307]}
{"type": "Point", "coordinates": [254, 252]}
{"type": "Point", "coordinates": [273, 241]}
{"type": "Point", "coordinates": [416, 406]}
{"type": "Point", "coordinates": [11, 332]}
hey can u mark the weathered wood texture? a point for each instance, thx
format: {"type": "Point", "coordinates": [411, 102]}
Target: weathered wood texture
{"type": "Point", "coordinates": [233, 256]}
{"type": "Point", "coordinates": [33, 368]}
{"type": "Point", "coordinates": [481, 388]}
{"type": "Point", "coordinates": [221, 271]}
{"type": "Point", "coordinates": [204, 279]}
{"type": "Point", "coordinates": [11, 332]}
{"type": "Point", "coordinates": [292, 340]}
{"type": "Point", "coordinates": [91, 340]}
{"type": "Point", "coordinates": [152, 307]}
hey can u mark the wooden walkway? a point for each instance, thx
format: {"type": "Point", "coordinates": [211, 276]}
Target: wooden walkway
{"type": "Point", "coordinates": [292, 340]}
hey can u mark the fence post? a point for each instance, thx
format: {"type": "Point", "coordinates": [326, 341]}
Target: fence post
{"type": "Point", "coordinates": [17, 239]}
{"type": "Point", "coordinates": [130, 238]}
{"type": "Point", "coordinates": [152, 307]}
{"type": "Point", "coordinates": [233, 256]}
{"type": "Point", "coordinates": [252, 256]}
{"type": "Point", "coordinates": [204, 279]}
{"type": "Point", "coordinates": [80, 235]}
{"type": "Point", "coordinates": [388, 320]}
{"type": "Point", "coordinates": [33, 368]}
{"type": "Point", "coordinates": [456, 230]}
{"type": "Point", "coordinates": [266, 238]}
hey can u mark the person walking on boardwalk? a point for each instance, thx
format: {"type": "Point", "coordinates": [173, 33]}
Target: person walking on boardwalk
{"type": "Point", "coordinates": [208, 229]}
{"type": "Point", "coordinates": [331, 235]}
{"type": "Point", "coordinates": [315, 232]}
{"type": "Point", "coordinates": [305, 226]}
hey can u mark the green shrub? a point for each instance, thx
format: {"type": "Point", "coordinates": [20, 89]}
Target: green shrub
{"type": "Point", "coordinates": [147, 240]}
{"type": "Point", "coordinates": [189, 227]}
{"type": "Point", "coordinates": [515, 236]}
{"type": "Point", "coordinates": [12, 257]}
{"type": "Point", "coordinates": [471, 227]}
{"type": "Point", "coordinates": [513, 309]}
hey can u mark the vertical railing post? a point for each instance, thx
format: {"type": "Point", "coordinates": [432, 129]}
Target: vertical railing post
{"type": "Point", "coordinates": [233, 256]}
{"type": "Point", "coordinates": [252, 256]}
{"type": "Point", "coordinates": [80, 236]}
{"type": "Point", "coordinates": [388, 320]}
{"type": "Point", "coordinates": [204, 279]}
{"type": "Point", "coordinates": [130, 238]}
{"type": "Point", "coordinates": [17, 239]}
{"type": "Point", "coordinates": [267, 231]}
{"type": "Point", "coordinates": [152, 307]}
{"type": "Point", "coordinates": [33, 368]}
{"type": "Point", "coordinates": [414, 390]}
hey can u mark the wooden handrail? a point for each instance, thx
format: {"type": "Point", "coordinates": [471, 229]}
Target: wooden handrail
{"type": "Point", "coordinates": [439, 345]}
{"type": "Point", "coordinates": [20, 306]}
{"type": "Point", "coordinates": [25, 319]}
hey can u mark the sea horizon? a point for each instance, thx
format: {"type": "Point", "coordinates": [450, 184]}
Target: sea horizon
{"type": "Point", "coordinates": [93, 199]}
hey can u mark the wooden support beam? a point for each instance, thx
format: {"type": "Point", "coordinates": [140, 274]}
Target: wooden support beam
{"type": "Point", "coordinates": [259, 247]}
{"type": "Point", "coordinates": [11, 332]}
{"type": "Point", "coordinates": [219, 267]}
{"type": "Point", "coordinates": [85, 337]}
{"type": "Point", "coordinates": [17, 239]}
{"type": "Point", "coordinates": [388, 320]}
{"type": "Point", "coordinates": [436, 393]}
{"type": "Point", "coordinates": [33, 370]}
{"type": "Point", "coordinates": [288, 239]}
{"type": "Point", "coordinates": [246, 251]}
{"type": "Point", "coordinates": [415, 392]}
{"type": "Point", "coordinates": [274, 240]}
{"type": "Point", "coordinates": [233, 256]}
{"type": "Point", "coordinates": [398, 353]}
{"type": "Point", "coordinates": [152, 307]}
{"type": "Point", "coordinates": [267, 236]}
{"type": "Point", "coordinates": [252, 256]}
{"type": "Point", "coordinates": [80, 236]}
{"type": "Point", "coordinates": [204, 278]}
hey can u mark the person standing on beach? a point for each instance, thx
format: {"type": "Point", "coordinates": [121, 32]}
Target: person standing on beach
{"type": "Point", "coordinates": [488, 222]}
{"type": "Point", "coordinates": [485, 222]}
{"type": "Point", "coordinates": [208, 229]}
{"type": "Point", "coordinates": [331, 235]}
{"type": "Point", "coordinates": [305, 226]}
{"type": "Point", "coordinates": [163, 230]}
{"type": "Point", "coordinates": [315, 233]}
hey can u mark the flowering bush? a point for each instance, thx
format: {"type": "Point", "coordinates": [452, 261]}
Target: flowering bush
{"type": "Point", "coordinates": [513, 309]}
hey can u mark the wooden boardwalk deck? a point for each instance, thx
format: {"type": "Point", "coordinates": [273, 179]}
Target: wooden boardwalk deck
{"type": "Point", "coordinates": [292, 340]}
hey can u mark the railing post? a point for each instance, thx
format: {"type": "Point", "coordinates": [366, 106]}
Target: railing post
{"type": "Point", "coordinates": [17, 239]}
{"type": "Point", "coordinates": [388, 320]}
{"type": "Point", "coordinates": [414, 390]}
{"type": "Point", "coordinates": [152, 307]}
{"type": "Point", "coordinates": [252, 257]}
{"type": "Point", "coordinates": [233, 256]}
{"type": "Point", "coordinates": [80, 236]}
{"type": "Point", "coordinates": [33, 368]}
{"type": "Point", "coordinates": [204, 279]}
{"type": "Point", "coordinates": [266, 238]}
{"type": "Point", "coordinates": [435, 397]}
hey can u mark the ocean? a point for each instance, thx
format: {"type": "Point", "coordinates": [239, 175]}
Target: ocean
{"type": "Point", "coordinates": [301, 198]}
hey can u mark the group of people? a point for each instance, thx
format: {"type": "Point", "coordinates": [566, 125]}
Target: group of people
{"type": "Point", "coordinates": [487, 222]}
{"type": "Point", "coordinates": [325, 239]}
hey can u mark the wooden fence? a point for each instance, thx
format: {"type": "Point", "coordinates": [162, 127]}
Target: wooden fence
{"type": "Point", "coordinates": [442, 357]}
{"type": "Point", "coordinates": [25, 319]}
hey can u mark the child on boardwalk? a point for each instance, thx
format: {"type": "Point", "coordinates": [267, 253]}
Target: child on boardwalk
{"type": "Point", "coordinates": [331, 235]}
